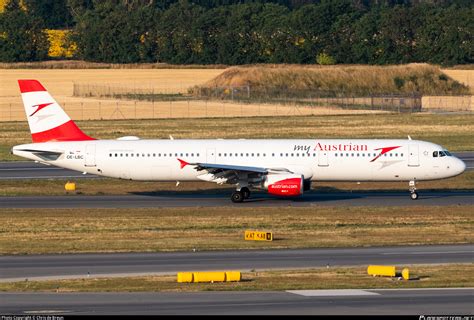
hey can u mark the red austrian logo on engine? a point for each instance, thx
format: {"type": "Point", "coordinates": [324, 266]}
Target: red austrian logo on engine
{"type": "Point", "coordinates": [286, 187]}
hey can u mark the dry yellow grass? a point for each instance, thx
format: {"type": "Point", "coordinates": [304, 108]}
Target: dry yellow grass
{"type": "Point", "coordinates": [423, 78]}
{"type": "Point", "coordinates": [465, 77]}
{"type": "Point", "coordinates": [31, 231]}
{"type": "Point", "coordinates": [421, 276]}
{"type": "Point", "coordinates": [110, 109]}
{"type": "Point", "coordinates": [448, 103]}
{"type": "Point", "coordinates": [59, 82]}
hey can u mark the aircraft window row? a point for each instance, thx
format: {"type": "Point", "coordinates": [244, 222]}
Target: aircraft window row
{"type": "Point", "coordinates": [441, 154]}
{"type": "Point", "coordinates": [264, 154]}
{"type": "Point", "coordinates": [368, 154]}
{"type": "Point", "coordinates": [144, 155]}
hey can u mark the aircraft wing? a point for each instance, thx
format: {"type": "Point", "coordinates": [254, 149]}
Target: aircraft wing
{"type": "Point", "coordinates": [223, 173]}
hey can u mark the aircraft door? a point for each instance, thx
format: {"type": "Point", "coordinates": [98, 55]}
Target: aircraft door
{"type": "Point", "coordinates": [89, 159]}
{"type": "Point", "coordinates": [413, 156]}
{"type": "Point", "coordinates": [211, 156]}
{"type": "Point", "coordinates": [323, 159]}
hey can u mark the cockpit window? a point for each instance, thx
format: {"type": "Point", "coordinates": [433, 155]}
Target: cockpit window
{"type": "Point", "coordinates": [435, 154]}
{"type": "Point", "coordinates": [448, 153]}
{"type": "Point", "coordinates": [442, 154]}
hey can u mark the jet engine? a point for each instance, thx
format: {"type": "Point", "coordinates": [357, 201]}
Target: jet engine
{"type": "Point", "coordinates": [284, 184]}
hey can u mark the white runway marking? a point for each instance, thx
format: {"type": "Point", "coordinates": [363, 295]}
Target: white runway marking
{"type": "Point", "coordinates": [426, 252]}
{"type": "Point", "coordinates": [333, 293]}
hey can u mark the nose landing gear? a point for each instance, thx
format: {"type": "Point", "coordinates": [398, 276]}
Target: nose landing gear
{"type": "Point", "coordinates": [412, 189]}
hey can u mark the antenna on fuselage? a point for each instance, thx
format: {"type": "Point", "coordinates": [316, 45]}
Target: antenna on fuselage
{"type": "Point", "coordinates": [171, 137]}
{"type": "Point", "coordinates": [409, 138]}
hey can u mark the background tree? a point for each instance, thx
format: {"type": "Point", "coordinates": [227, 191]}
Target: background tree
{"type": "Point", "coordinates": [21, 35]}
{"type": "Point", "coordinates": [54, 13]}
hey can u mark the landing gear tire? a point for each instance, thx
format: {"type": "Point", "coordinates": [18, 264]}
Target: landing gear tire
{"type": "Point", "coordinates": [246, 192]}
{"type": "Point", "coordinates": [237, 197]}
{"type": "Point", "coordinates": [412, 189]}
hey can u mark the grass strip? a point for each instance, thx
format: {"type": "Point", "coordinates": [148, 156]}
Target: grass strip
{"type": "Point", "coordinates": [41, 231]}
{"type": "Point", "coordinates": [422, 276]}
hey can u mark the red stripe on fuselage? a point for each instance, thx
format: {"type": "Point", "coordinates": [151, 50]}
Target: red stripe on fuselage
{"type": "Point", "coordinates": [384, 151]}
{"type": "Point", "coordinates": [68, 131]}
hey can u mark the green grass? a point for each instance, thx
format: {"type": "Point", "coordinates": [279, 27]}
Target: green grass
{"type": "Point", "coordinates": [453, 131]}
{"type": "Point", "coordinates": [421, 276]}
{"type": "Point", "coordinates": [41, 231]}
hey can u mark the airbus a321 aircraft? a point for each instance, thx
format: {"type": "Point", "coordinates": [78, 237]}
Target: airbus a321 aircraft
{"type": "Point", "coordinates": [282, 167]}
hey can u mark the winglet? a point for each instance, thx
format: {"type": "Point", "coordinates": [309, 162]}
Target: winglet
{"type": "Point", "coordinates": [182, 163]}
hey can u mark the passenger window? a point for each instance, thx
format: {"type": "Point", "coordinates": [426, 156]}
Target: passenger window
{"type": "Point", "coordinates": [258, 154]}
{"type": "Point", "coordinates": [131, 155]}
{"type": "Point", "coordinates": [110, 154]}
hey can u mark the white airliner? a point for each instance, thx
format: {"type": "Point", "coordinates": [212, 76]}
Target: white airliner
{"type": "Point", "coordinates": [282, 167]}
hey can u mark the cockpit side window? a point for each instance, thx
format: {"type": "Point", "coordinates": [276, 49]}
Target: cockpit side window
{"type": "Point", "coordinates": [435, 154]}
{"type": "Point", "coordinates": [441, 154]}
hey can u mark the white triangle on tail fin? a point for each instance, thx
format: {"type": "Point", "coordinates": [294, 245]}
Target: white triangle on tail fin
{"type": "Point", "coordinates": [46, 118]}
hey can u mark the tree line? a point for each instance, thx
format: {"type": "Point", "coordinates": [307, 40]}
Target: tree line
{"type": "Point", "coordinates": [243, 32]}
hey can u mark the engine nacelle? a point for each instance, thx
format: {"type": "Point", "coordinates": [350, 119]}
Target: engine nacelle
{"type": "Point", "coordinates": [284, 184]}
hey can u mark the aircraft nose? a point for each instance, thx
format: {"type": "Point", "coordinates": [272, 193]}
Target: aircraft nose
{"type": "Point", "coordinates": [459, 166]}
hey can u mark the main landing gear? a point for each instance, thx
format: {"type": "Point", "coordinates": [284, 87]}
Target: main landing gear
{"type": "Point", "coordinates": [412, 189]}
{"type": "Point", "coordinates": [240, 195]}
